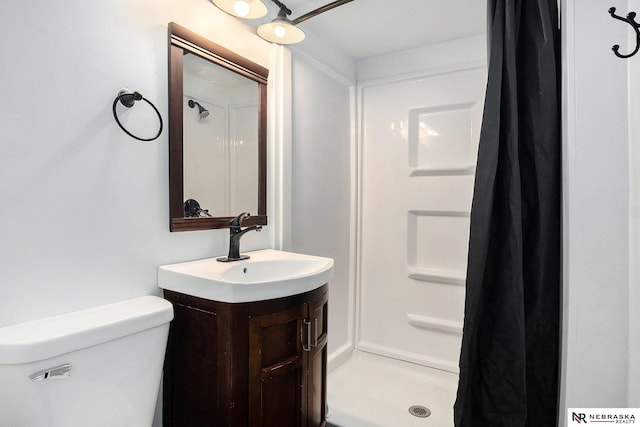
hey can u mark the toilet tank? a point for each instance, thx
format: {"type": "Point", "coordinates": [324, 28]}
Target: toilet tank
{"type": "Point", "coordinates": [99, 367]}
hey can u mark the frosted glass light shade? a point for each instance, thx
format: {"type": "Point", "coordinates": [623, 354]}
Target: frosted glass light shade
{"type": "Point", "coordinates": [247, 9]}
{"type": "Point", "coordinates": [281, 31]}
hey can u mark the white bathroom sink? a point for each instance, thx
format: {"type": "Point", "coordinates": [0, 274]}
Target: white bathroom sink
{"type": "Point", "coordinates": [267, 274]}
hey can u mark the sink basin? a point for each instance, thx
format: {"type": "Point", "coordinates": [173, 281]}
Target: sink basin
{"type": "Point", "coordinates": [267, 274]}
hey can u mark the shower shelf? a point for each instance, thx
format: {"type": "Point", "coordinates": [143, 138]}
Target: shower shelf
{"type": "Point", "coordinates": [443, 171]}
{"type": "Point", "coordinates": [436, 275]}
{"type": "Point", "coordinates": [436, 324]}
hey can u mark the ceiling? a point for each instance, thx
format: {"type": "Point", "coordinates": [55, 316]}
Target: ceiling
{"type": "Point", "coordinates": [365, 28]}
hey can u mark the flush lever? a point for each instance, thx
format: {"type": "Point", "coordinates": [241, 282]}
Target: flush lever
{"type": "Point", "coordinates": [56, 373]}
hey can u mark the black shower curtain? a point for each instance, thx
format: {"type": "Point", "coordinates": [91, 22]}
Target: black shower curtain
{"type": "Point", "coordinates": [510, 345]}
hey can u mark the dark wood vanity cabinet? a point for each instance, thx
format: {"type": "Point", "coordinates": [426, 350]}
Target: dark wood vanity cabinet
{"type": "Point", "coordinates": [257, 364]}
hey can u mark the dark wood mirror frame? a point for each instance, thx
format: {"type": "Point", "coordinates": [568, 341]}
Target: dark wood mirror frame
{"type": "Point", "coordinates": [183, 41]}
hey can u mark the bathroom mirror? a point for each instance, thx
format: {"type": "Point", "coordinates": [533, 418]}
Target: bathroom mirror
{"type": "Point", "coordinates": [217, 134]}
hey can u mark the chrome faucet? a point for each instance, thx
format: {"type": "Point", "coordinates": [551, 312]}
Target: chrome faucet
{"type": "Point", "coordinates": [235, 233]}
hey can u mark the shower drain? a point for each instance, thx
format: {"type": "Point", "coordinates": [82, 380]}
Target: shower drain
{"type": "Point", "coordinates": [419, 411]}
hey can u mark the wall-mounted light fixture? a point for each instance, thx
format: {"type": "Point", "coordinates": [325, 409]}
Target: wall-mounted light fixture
{"type": "Point", "coordinates": [247, 9]}
{"type": "Point", "coordinates": [281, 30]}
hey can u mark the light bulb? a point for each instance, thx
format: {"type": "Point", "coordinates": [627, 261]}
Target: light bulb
{"type": "Point", "coordinates": [241, 8]}
{"type": "Point", "coordinates": [279, 31]}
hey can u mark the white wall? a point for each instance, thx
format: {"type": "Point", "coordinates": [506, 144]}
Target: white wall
{"type": "Point", "coordinates": [596, 301]}
{"type": "Point", "coordinates": [84, 215]}
{"type": "Point", "coordinates": [322, 183]}
{"type": "Point", "coordinates": [442, 56]}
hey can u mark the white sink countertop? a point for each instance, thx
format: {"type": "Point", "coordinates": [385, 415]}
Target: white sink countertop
{"type": "Point", "coordinates": [267, 274]}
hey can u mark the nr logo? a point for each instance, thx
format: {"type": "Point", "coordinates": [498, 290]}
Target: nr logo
{"type": "Point", "coordinates": [579, 418]}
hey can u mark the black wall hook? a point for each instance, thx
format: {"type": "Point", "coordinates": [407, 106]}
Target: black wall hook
{"type": "Point", "coordinates": [630, 19]}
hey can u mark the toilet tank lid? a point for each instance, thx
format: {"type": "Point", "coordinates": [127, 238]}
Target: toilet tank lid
{"type": "Point", "coordinates": [51, 336]}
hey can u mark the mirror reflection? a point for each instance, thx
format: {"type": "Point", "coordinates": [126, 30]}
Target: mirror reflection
{"type": "Point", "coordinates": [220, 146]}
{"type": "Point", "coordinates": [217, 127]}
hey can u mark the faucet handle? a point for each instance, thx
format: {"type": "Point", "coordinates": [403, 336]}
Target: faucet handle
{"type": "Point", "coordinates": [237, 221]}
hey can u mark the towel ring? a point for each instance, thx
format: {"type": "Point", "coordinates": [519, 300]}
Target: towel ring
{"type": "Point", "coordinates": [128, 99]}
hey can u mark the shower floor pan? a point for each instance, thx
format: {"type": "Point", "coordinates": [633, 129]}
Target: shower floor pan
{"type": "Point", "coordinates": [369, 390]}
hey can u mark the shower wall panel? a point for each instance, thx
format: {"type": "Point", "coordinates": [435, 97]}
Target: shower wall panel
{"type": "Point", "coordinates": [418, 150]}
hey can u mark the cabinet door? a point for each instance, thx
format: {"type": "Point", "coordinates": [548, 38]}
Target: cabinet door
{"type": "Point", "coordinates": [276, 372]}
{"type": "Point", "coordinates": [191, 368]}
{"type": "Point", "coordinates": [316, 361]}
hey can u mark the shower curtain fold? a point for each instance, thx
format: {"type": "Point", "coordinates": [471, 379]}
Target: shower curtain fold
{"type": "Point", "coordinates": [510, 345]}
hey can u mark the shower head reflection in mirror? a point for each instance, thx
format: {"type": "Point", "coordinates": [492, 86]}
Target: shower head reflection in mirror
{"type": "Point", "coordinates": [202, 112]}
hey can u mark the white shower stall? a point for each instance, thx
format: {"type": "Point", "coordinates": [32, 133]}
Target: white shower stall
{"type": "Point", "coordinates": [395, 217]}
{"type": "Point", "coordinates": [419, 138]}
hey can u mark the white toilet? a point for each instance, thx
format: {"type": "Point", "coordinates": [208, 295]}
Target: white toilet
{"type": "Point", "coordinates": [99, 367]}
